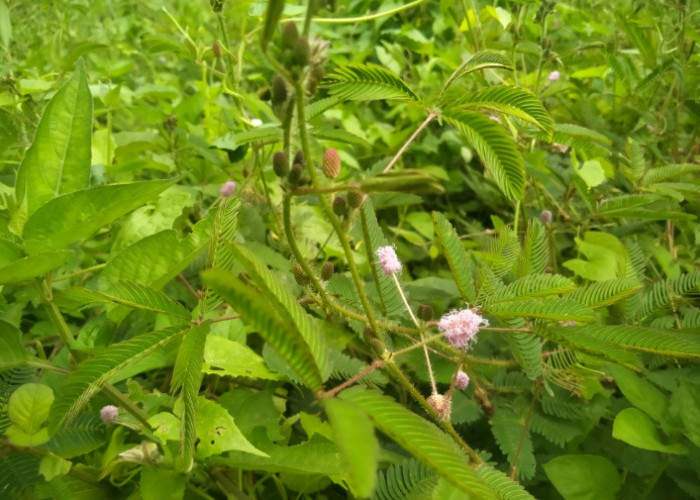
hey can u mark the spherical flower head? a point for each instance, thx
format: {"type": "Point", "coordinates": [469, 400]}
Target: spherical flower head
{"type": "Point", "coordinates": [109, 413]}
{"type": "Point", "coordinates": [441, 404]}
{"type": "Point", "coordinates": [554, 76]}
{"type": "Point", "coordinates": [461, 380]}
{"type": "Point", "coordinates": [388, 260]}
{"type": "Point", "coordinates": [227, 189]}
{"type": "Point", "coordinates": [545, 216]}
{"type": "Point", "coordinates": [460, 327]}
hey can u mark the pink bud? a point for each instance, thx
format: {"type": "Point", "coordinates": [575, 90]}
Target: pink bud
{"type": "Point", "coordinates": [461, 380]}
{"type": "Point", "coordinates": [227, 189]}
{"type": "Point", "coordinates": [109, 413]}
{"type": "Point", "coordinates": [554, 76]}
{"type": "Point", "coordinates": [545, 216]}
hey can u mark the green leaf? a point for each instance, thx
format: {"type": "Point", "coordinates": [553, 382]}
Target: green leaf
{"type": "Point", "coordinates": [283, 336]}
{"type": "Point", "coordinates": [634, 427]}
{"type": "Point", "coordinates": [515, 441]}
{"type": "Point", "coordinates": [29, 406]}
{"type": "Point", "coordinates": [495, 148]}
{"type": "Point", "coordinates": [642, 206]}
{"type": "Point", "coordinates": [124, 292]}
{"type": "Point", "coordinates": [5, 25]}
{"type": "Point", "coordinates": [581, 341]}
{"type": "Point", "coordinates": [668, 172]}
{"type": "Point", "coordinates": [527, 350]}
{"type": "Point", "coordinates": [158, 483]}
{"type": "Point", "coordinates": [422, 439]}
{"type": "Point", "coordinates": [12, 352]}
{"type": "Point", "coordinates": [52, 466]}
{"type": "Point", "coordinates": [353, 432]}
{"type": "Point", "coordinates": [592, 173]}
{"type": "Point", "coordinates": [85, 433]}
{"type": "Point", "coordinates": [640, 392]}
{"type": "Point", "coordinates": [533, 286]}
{"type": "Point", "coordinates": [605, 293]}
{"type": "Point", "coordinates": [499, 482]}
{"type": "Point", "coordinates": [233, 140]}
{"type": "Point", "coordinates": [685, 405]}
{"type": "Point", "coordinates": [33, 266]}
{"type": "Point", "coordinates": [367, 82]}
{"type": "Point", "coordinates": [607, 257]}
{"type": "Point", "coordinates": [534, 257]}
{"type": "Point", "coordinates": [514, 101]}
{"type": "Point", "coordinates": [462, 268]}
{"type": "Point", "coordinates": [58, 161]}
{"type": "Point", "coordinates": [218, 432]}
{"type": "Point", "coordinates": [225, 357]}
{"type": "Point", "coordinates": [75, 216]}
{"type": "Point", "coordinates": [548, 309]}
{"type": "Point", "coordinates": [187, 375]}
{"type": "Point", "coordinates": [92, 374]}
{"type": "Point", "coordinates": [481, 60]}
{"type": "Point", "coordinates": [583, 477]}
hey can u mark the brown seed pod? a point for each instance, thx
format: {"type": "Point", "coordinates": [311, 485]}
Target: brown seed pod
{"type": "Point", "coordinates": [340, 206]}
{"type": "Point", "coordinates": [327, 271]}
{"type": "Point", "coordinates": [355, 198]}
{"type": "Point", "coordinates": [280, 164]}
{"type": "Point", "coordinates": [425, 312]}
{"type": "Point", "coordinates": [300, 276]}
{"type": "Point", "coordinates": [279, 90]}
{"type": "Point", "coordinates": [295, 174]}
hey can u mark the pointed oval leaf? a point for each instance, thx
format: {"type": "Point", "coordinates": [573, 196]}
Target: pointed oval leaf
{"type": "Point", "coordinates": [72, 217]}
{"type": "Point", "coordinates": [58, 161]}
{"type": "Point", "coordinates": [12, 352]}
{"type": "Point", "coordinates": [33, 266]}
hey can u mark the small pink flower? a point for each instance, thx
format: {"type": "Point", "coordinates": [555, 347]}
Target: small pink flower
{"type": "Point", "coordinates": [545, 216]}
{"type": "Point", "coordinates": [109, 413]}
{"type": "Point", "coordinates": [554, 76]}
{"type": "Point", "coordinates": [388, 260]}
{"type": "Point", "coordinates": [227, 189]}
{"type": "Point", "coordinates": [460, 327]}
{"type": "Point", "coordinates": [461, 380]}
{"type": "Point", "coordinates": [495, 118]}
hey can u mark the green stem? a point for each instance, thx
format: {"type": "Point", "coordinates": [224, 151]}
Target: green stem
{"type": "Point", "coordinates": [96, 267]}
{"type": "Point", "coordinates": [352, 20]}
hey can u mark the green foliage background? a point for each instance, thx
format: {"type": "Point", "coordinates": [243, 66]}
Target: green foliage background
{"type": "Point", "coordinates": [536, 160]}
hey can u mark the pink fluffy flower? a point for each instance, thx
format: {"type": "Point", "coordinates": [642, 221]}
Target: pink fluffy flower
{"type": "Point", "coordinates": [227, 189]}
{"type": "Point", "coordinates": [460, 327]}
{"type": "Point", "coordinates": [554, 76]}
{"type": "Point", "coordinates": [461, 380]}
{"type": "Point", "coordinates": [388, 260]}
{"type": "Point", "coordinates": [109, 413]}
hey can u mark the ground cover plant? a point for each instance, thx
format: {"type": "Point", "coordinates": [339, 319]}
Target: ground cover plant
{"type": "Point", "coordinates": [257, 249]}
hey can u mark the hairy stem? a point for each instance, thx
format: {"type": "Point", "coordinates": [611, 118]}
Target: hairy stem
{"type": "Point", "coordinates": [431, 116]}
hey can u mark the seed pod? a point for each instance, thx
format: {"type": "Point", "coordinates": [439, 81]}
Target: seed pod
{"type": "Point", "coordinates": [331, 163]}
{"type": "Point", "coordinates": [425, 312]}
{"type": "Point", "coordinates": [442, 406]}
{"type": "Point", "coordinates": [216, 49]}
{"type": "Point", "coordinates": [302, 52]}
{"type": "Point", "coordinates": [340, 206]}
{"type": "Point", "coordinates": [295, 174]}
{"type": "Point", "coordinates": [355, 198]}
{"type": "Point", "coordinates": [327, 271]}
{"type": "Point", "coordinates": [280, 164]}
{"type": "Point", "coordinates": [290, 35]}
{"type": "Point", "coordinates": [279, 90]}
{"type": "Point", "coordinates": [300, 276]}
{"type": "Point", "coordinates": [299, 157]}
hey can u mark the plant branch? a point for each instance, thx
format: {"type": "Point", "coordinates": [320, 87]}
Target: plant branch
{"type": "Point", "coordinates": [431, 116]}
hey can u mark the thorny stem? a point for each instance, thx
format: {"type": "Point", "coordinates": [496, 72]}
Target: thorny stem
{"type": "Point", "coordinates": [432, 115]}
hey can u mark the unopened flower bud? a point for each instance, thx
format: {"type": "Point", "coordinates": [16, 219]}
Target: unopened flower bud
{"type": "Point", "coordinates": [553, 76]}
{"type": "Point", "coordinates": [317, 74]}
{"type": "Point", "coordinates": [355, 198]}
{"type": "Point", "coordinates": [545, 216]}
{"type": "Point", "coordinates": [216, 48]}
{"type": "Point", "coordinates": [340, 206]}
{"type": "Point", "coordinates": [227, 189]}
{"type": "Point", "coordinates": [300, 276]}
{"type": "Point", "coordinates": [290, 35]}
{"type": "Point", "coordinates": [425, 312]}
{"type": "Point", "coordinates": [327, 271]}
{"type": "Point", "coordinates": [442, 406]}
{"type": "Point", "coordinates": [279, 90]}
{"type": "Point", "coordinates": [295, 174]}
{"type": "Point", "coordinates": [216, 5]}
{"type": "Point", "coordinates": [302, 52]}
{"type": "Point", "coordinates": [331, 163]}
{"type": "Point", "coordinates": [280, 164]}
{"type": "Point", "coordinates": [299, 157]}
{"type": "Point", "coordinates": [109, 413]}
{"type": "Point", "coordinates": [461, 380]}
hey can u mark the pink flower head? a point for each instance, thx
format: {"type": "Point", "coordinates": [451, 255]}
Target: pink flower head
{"type": "Point", "coordinates": [545, 216]}
{"type": "Point", "coordinates": [109, 413]}
{"type": "Point", "coordinates": [227, 189]}
{"type": "Point", "coordinates": [460, 327]}
{"type": "Point", "coordinates": [554, 76]}
{"type": "Point", "coordinates": [461, 380]}
{"type": "Point", "coordinates": [388, 260]}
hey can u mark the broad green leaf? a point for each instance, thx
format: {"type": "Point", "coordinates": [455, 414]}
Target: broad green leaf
{"type": "Point", "coordinates": [124, 292]}
{"type": "Point", "coordinates": [29, 406]}
{"type": "Point", "coordinates": [158, 482]}
{"type": "Point", "coordinates": [225, 357]}
{"type": "Point", "coordinates": [640, 393]}
{"type": "Point", "coordinates": [156, 259]}
{"type": "Point", "coordinates": [548, 309]}
{"type": "Point", "coordinates": [218, 432]}
{"type": "Point", "coordinates": [607, 257]}
{"type": "Point", "coordinates": [281, 334]}
{"type": "Point", "coordinates": [92, 374]}
{"type": "Point", "coordinates": [685, 406]}
{"type": "Point", "coordinates": [366, 83]}
{"type": "Point", "coordinates": [515, 101]}
{"type": "Point", "coordinates": [75, 216]}
{"type": "Point", "coordinates": [422, 439]}
{"type": "Point", "coordinates": [495, 148]}
{"type": "Point", "coordinates": [353, 432]}
{"type": "Point", "coordinates": [462, 268]}
{"type": "Point", "coordinates": [634, 427]}
{"type": "Point", "coordinates": [12, 352]}
{"type": "Point", "coordinates": [52, 466]}
{"type": "Point", "coordinates": [9, 252]}
{"type": "Point", "coordinates": [33, 266]}
{"type": "Point", "coordinates": [19, 437]}
{"type": "Point", "coordinates": [583, 477]}
{"type": "Point", "coordinates": [187, 377]}
{"type": "Point", "coordinates": [58, 161]}
{"type": "Point", "coordinates": [592, 173]}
